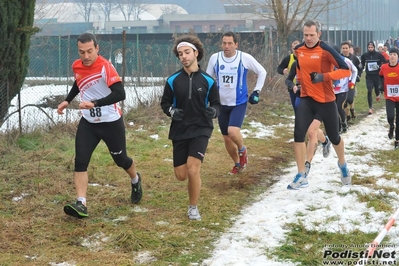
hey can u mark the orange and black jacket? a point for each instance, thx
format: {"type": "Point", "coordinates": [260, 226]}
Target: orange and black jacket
{"type": "Point", "coordinates": [321, 58]}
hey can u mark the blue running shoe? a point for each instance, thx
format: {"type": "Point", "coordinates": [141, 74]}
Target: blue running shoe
{"type": "Point", "coordinates": [346, 178]}
{"type": "Point", "coordinates": [300, 181]}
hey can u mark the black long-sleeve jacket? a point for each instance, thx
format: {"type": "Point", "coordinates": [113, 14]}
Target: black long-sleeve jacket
{"type": "Point", "coordinates": [191, 93]}
{"type": "Point", "coordinates": [357, 64]}
{"type": "Point", "coordinates": [372, 62]}
{"type": "Point", "coordinates": [284, 64]}
{"type": "Point", "coordinates": [289, 81]}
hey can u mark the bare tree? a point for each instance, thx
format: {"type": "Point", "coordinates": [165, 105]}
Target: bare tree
{"type": "Point", "coordinates": [107, 7]}
{"type": "Point", "coordinates": [170, 9]}
{"type": "Point", "coordinates": [131, 9]}
{"type": "Point", "coordinates": [85, 8]}
{"type": "Point", "coordinates": [45, 9]}
{"type": "Point", "coordinates": [125, 8]}
{"type": "Point", "coordinates": [47, 12]}
{"type": "Point", "coordinates": [289, 15]}
{"type": "Point", "coordinates": [139, 6]}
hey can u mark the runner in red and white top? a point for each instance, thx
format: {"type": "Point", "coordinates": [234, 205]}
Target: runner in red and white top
{"type": "Point", "coordinates": [100, 89]}
{"type": "Point", "coordinates": [94, 83]}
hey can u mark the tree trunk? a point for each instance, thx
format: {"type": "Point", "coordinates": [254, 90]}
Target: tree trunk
{"type": "Point", "coordinates": [16, 22]}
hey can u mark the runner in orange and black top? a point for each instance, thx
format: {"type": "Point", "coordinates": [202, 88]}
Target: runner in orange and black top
{"type": "Point", "coordinates": [315, 134]}
{"type": "Point", "coordinates": [315, 72]}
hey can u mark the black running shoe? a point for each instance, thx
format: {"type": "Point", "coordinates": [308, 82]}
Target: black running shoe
{"type": "Point", "coordinates": [137, 191]}
{"type": "Point", "coordinates": [353, 115]}
{"type": "Point", "coordinates": [390, 134]}
{"type": "Point", "coordinates": [396, 145]}
{"type": "Point", "coordinates": [307, 168]}
{"type": "Point", "coordinates": [77, 210]}
{"type": "Point", "coordinates": [344, 127]}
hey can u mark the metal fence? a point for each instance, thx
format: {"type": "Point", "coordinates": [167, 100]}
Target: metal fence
{"type": "Point", "coordinates": [143, 61]}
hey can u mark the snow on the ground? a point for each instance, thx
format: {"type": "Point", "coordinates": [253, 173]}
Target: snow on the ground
{"type": "Point", "coordinates": [324, 205]}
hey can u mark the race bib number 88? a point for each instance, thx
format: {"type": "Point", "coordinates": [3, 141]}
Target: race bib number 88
{"type": "Point", "coordinates": [95, 112]}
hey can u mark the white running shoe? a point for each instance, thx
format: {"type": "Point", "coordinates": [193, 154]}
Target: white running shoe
{"type": "Point", "coordinates": [300, 181]}
{"type": "Point", "coordinates": [193, 213]}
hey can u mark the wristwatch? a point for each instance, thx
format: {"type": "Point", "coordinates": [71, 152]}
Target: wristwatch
{"type": "Point", "coordinates": [95, 103]}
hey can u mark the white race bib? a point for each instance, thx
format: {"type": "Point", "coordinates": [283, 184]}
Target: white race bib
{"type": "Point", "coordinates": [96, 114]}
{"type": "Point", "coordinates": [372, 66]}
{"type": "Point", "coordinates": [228, 79]}
{"type": "Point", "coordinates": [393, 90]}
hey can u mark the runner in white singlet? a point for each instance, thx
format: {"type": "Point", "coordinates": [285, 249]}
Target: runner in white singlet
{"type": "Point", "coordinates": [230, 67]}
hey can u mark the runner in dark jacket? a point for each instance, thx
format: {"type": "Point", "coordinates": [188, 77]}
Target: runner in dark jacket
{"type": "Point", "coordinates": [372, 61]}
{"type": "Point", "coordinates": [284, 68]}
{"type": "Point", "coordinates": [191, 99]}
{"type": "Point", "coordinates": [350, 99]}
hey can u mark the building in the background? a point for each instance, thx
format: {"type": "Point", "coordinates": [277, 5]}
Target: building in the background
{"type": "Point", "coordinates": [74, 18]}
{"type": "Point", "coordinates": [356, 20]}
{"type": "Point", "coordinates": [345, 17]}
{"type": "Point", "coordinates": [184, 23]}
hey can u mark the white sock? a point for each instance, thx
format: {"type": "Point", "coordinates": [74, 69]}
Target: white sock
{"type": "Point", "coordinates": [83, 200]}
{"type": "Point", "coordinates": [135, 180]}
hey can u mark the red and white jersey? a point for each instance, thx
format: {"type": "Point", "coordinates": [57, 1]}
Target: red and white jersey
{"type": "Point", "coordinates": [94, 82]}
{"type": "Point", "coordinates": [342, 85]}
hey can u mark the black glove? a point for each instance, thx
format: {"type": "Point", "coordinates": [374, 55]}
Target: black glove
{"type": "Point", "coordinates": [210, 112]}
{"type": "Point", "coordinates": [316, 77]}
{"type": "Point", "coordinates": [254, 98]}
{"type": "Point", "coordinates": [298, 90]}
{"type": "Point", "coordinates": [176, 113]}
{"type": "Point", "coordinates": [357, 79]}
